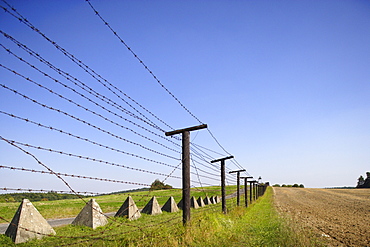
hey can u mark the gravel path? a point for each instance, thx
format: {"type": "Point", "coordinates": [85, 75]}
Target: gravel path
{"type": "Point", "coordinates": [340, 215]}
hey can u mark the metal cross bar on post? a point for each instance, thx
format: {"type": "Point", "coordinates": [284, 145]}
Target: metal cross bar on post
{"type": "Point", "coordinates": [246, 190]}
{"type": "Point", "coordinates": [238, 185]}
{"type": "Point", "coordinates": [223, 192]}
{"type": "Point", "coordinates": [186, 168]}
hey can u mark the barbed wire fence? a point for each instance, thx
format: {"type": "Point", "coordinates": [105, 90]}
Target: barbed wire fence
{"type": "Point", "coordinates": [79, 122]}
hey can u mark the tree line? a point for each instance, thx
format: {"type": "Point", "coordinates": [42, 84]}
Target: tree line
{"type": "Point", "coordinates": [50, 196]}
{"type": "Point", "coordinates": [289, 185]}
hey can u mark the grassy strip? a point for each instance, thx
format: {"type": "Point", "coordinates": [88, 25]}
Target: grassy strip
{"type": "Point", "coordinates": [257, 225]}
{"type": "Point", "coordinates": [108, 203]}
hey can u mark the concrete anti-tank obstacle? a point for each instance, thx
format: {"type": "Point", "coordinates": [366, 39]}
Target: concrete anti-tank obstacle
{"type": "Point", "coordinates": [207, 200]}
{"type": "Point", "coordinates": [28, 217]}
{"type": "Point", "coordinates": [91, 216]}
{"type": "Point", "coordinates": [200, 202]}
{"type": "Point", "coordinates": [212, 199]}
{"type": "Point", "coordinates": [152, 207]}
{"type": "Point", "coordinates": [170, 206]}
{"type": "Point", "coordinates": [128, 209]}
{"type": "Point", "coordinates": [217, 199]}
{"type": "Point", "coordinates": [193, 202]}
{"type": "Point", "coordinates": [179, 205]}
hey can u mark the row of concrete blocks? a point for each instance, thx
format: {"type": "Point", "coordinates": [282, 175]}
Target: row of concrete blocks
{"type": "Point", "coordinates": [28, 223]}
{"type": "Point", "coordinates": [129, 209]}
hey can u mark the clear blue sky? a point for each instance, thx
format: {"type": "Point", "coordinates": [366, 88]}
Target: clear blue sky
{"type": "Point", "coordinates": [283, 85]}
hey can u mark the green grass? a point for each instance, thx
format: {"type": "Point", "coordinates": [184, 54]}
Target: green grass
{"type": "Point", "coordinates": [257, 225]}
{"type": "Point", "coordinates": [108, 203]}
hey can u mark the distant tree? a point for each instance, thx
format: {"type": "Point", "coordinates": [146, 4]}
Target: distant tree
{"type": "Point", "coordinates": [276, 185]}
{"type": "Point", "coordinates": [158, 185]}
{"type": "Point", "coordinates": [295, 185]}
{"type": "Point", "coordinates": [364, 183]}
{"type": "Point", "coordinates": [361, 181]}
{"type": "Point", "coordinates": [284, 185]}
{"type": "Point", "coordinates": [301, 186]}
{"type": "Point", "coordinates": [18, 197]}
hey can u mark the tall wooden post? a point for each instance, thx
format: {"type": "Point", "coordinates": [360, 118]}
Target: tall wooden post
{"type": "Point", "coordinates": [186, 176]}
{"type": "Point", "coordinates": [255, 190]}
{"type": "Point", "coordinates": [238, 185]}
{"type": "Point", "coordinates": [259, 186]}
{"type": "Point", "coordinates": [186, 168]}
{"type": "Point", "coordinates": [246, 190]}
{"type": "Point", "coordinates": [223, 178]}
{"type": "Point", "coordinates": [250, 192]}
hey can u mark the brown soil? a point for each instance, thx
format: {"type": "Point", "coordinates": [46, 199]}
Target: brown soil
{"type": "Point", "coordinates": [341, 216]}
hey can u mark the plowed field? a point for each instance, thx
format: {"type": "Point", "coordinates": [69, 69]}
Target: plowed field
{"type": "Point", "coordinates": [341, 216]}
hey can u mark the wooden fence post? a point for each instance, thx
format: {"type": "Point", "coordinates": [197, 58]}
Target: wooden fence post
{"type": "Point", "coordinates": [223, 178]}
{"type": "Point", "coordinates": [238, 185]}
{"type": "Point", "coordinates": [255, 190]}
{"type": "Point", "coordinates": [246, 190]}
{"type": "Point", "coordinates": [186, 168]}
{"type": "Point", "coordinates": [252, 194]}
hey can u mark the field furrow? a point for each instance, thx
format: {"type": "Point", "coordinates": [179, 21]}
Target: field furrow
{"type": "Point", "coordinates": [340, 215]}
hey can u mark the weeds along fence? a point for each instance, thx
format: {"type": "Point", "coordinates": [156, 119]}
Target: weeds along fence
{"type": "Point", "coordinates": [68, 129]}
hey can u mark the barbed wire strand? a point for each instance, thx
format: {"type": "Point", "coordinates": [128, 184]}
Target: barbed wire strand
{"type": "Point", "coordinates": [86, 68]}
{"type": "Point", "coordinates": [97, 160]}
{"type": "Point", "coordinates": [87, 123]}
{"type": "Point", "coordinates": [141, 62]}
{"type": "Point", "coordinates": [93, 159]}
{"type": "Point", "coordinates": [79, 83]}
{"type": "Point", "coordinates": [70, 101]}
{"type": "Point", "coordinates": [32, 53]}
{"type": "Point", "coordinates": [84, 139]}
{"type": "Point", "coordinates": [154, 76]}
{"type": "Point", "coordinates": [43, 165]}
{"type": "Point", "coordinates": [72, 175]}
{"type": "Point", "coordinates": [219, 144]}
{"type": "Point", "coordinates": [79, 62]}
{"type": "Point", "coordinates": [48, 191]}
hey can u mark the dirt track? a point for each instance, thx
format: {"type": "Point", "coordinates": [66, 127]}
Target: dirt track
{"type": "Point", "coordinates": [340, 215]}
